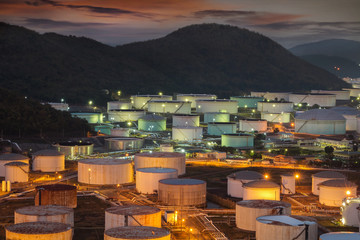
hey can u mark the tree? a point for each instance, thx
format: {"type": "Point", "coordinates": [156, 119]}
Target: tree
{"type": "Point", "coordinates": [329, 150]}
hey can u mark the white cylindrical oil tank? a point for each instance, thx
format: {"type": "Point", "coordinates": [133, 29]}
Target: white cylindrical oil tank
{"type": "Point", "coordinates": [272, 95]}
{"type": "Point", "coordinates": [349, 212]}
{"type": "Point", "coordinates": [216, 117]}
{"type": "Point", "coordinates": [141, 101]}
{"type": "Point", "coordinates": [333, 192]}
{"type": "Point", "coordinates": [237, 140]}
{"type": "Point", "coordinates": [161, 160]}
{"type": "Point", "coordinates": [119, 105]}
{"type": "Point", "coordinates": [247, 211]}
{"type": "Point", "coordinates": [160, 106]}
{"type": "Point", "coordinates": [181, 120]}
{"type": "Point", "coordinates": [261, 190]}
{"type": "Point", "coordinates": [288, 183]}
{"type": "Point", "coordinates": [340, 236]}
{"type": "Point", "coordinates": [125, 115]}
{"type": "Point", "coordinates": [90, 117]}
{"type": "Point", "coordinates": [219, 128]}
{"type": "Point", "coordinates": [193, 97]}
{"type": "Point", "coordinates": [236, 181]}
{"type": "Point", "coordinates": [147, 179]}
{"type": "Point", "coordinates": [217, 105]}
{"type": "Point", "coordinates": [125, 143]}
{"type": "Point", "coordinates": [16, 172]}
{"type": "Point", "coordinates": [182, 192]}
{"type": "Point", "coordinates": [48, 213]}
{"type": "Point", "coordinates": [132, 215]}
{"type": "Point", "coordinates": [275, 106]}
{"type": "Point", "coordinates": [323, 176]}
{"type": "Point", "coordinates": [247, 101]}
{"type": "Point", "coordinates": [340, 94]}
{"type": "Point", "coordinates": [276, 117]}
{"type": "Point", "coordinates": [252, 125]}
{"type": "Point", "coordinates": [48, 161]}
{"type": "Point", "coordinates": [56, 194]}
{"type": "Point", "coordinates": [320, 122]}
{"type": "Point", "coordinates": [105, 171]}
{"type": "Point", "coordinates": [11, 157]}
{"type": "Point", "coordinates": [354, 92]}
{"type": "Point", "coordinates": [120, 132]}
{"type": "Point", "coordinates": [310, 99]}
{"type": "Point", "coordinates": [350, 114]}
{"type": "Point", "coordinates": [39, 231]}
{"type": "Point", "coordinates": [152, 123]}
{"type": "Point", "coordinates": [187, 133]}
{"type": "Point", "coordinates": [137, 233]}
{"type": "Point", "coordinates": [283, 227]}
{"type": "Point", "coordinates": [72, 149]}
{"type": "Point", "coordinates": [166, 148]}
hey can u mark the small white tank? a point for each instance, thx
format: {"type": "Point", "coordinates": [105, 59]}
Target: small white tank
{"type": "Point", "coordinates": [137, 233]}
{"type": "Point", "coordinates": [262, 190]}
{"type": "Point", "coordinates": [332, 192]}
{"type": "Point", "coordinates": [11, 157]}
{"type": "Point", "coordinates": [323, 176]}
{"type": "Point", "coordinates": [183, 120]}
{"type": "Point", "coordinates": [48, 213]}
{"type": "Point", "coordinates": [48, 161]}
{"type": "Point", "coordinates": [132, 215]}
{"type": "Point", "coordinates": [73, 149]}
{"type": "Point", "coordinates": [16, 172]}
{"type": "Point", "coordinates": [237, 180]}
{"type": "Point", "coordinates": [147, 179]}
{"type": "Point", "coordinates": [283, 227]}
{"type": "Point", "coordinates": [247, 211]}
{"type": "Point", "coordinates": [340, 236]}
{"type": "Point", "coordinates": [288, 183]}
{"type": "Point", "coordinates": [216, 117]}
{"type": "Point", "coordinates": [187, 134]}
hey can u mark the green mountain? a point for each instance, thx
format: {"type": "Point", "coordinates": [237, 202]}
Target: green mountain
{"type": "Point", "coordinates": [202, 58]}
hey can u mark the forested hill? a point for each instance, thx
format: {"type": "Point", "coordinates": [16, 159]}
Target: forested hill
{"type": "Point", "coordinates": [202, 58]}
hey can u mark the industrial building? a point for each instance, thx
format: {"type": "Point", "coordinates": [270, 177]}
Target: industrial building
{"type": "Point", "coordinates": [349, 211]}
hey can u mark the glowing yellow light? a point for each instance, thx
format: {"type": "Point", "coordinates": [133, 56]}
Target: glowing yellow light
{"type": "Point", "coordinates": [90, 102]}
{"type": "Point", "coordinates": [348, 192]}
{"type": "Point", "coordinates": [292, 124]}
{"type": "Point", "coordinates": [89, 169]}
{"type": "Point", "coordinates": [119, 93]}
{"type": "Point", "coordinates": [297, 176]}
{"type": "Point", "coordinates": [266, 176]}
{"type": "Point", "coordinates": [163, 105]}
{"type": "Point", "coordinates": [245, 106]}
{"type": "Point", "coordinates": [253, 110]}
{"type": "Point", "coordinates": [129, 123]}
{"type": "Point", "coordinates": [191, 230]}
{"type": "Point", "coordinates": [183, 220]}
{"type": "Point", "coordinates": [60, 177]}
{"type": "Point", "coordinates": [300, 104]}
{"type": "Point", "coordinates": [269, 150]}
{"type": "Point", "coordinates": [160, 93]}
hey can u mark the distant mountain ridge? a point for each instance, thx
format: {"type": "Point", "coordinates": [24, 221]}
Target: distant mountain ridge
{"type": "Point", "coordinates": [220, 59]}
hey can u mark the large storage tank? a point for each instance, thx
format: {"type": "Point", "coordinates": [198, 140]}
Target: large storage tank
{"type": "Point", "coordinates": [147, 179]}
{"type": "Point", "coordinates": [105, 171]}
{"type": "Point", "coordinates": [262, 190]}
{"type": "Point", "coordinates": [333, 192]}
{"type": "Point", "coordinates": [340, 236]}
{"type": "Point", "coordinates": [48, 161]}
{"type": "Point", "coordinates": [340, 94]}
{"type": "Point", "coordinates": [16, 172]}
{"type": "Point", "coordinates": [132, 215]}
{"type": "Point", "coordinates": [90, 117]}
{"type": "Point", "coordinates": [247, 211]}
{"type": "Point", "coordinates": [137, 233]}
{"type": "Point", "coordinates": [182, 192]}
{"type": "Point", "coordinates": [236, 181]}
{"type": "Point", "coordinates": [283, 227]}
{"type": "Point", "coordinates": [282, 117]}
{"type": "Point", "coordinates": [323, 176]}
{"type": "Point", "coordinates": [247, 102]}
{"type": "Point", "coordinates": [118, 105]}
{"type": "Point", "coordinates": [251, 125]}
{"type": "Point", "coordinates": [184, 120]}
{"type": "Point", "coordinates": [237, 140]}
{"type": "Point", "coordinates": [354, 92]}
{"type": "Point", "coordinates": [219, 128]}
{"type": "Point", "coordinates": [160, 106]}
{"type": "Point", "coordinates": [56, 194]}
{"type": "Point", "coordinates": [272, 95]}
{"type": "Point", "coordinates": [152, 123]}
{"type": "Point", "coordinates": [351, 116]}
{"type": "Point", "coordinates": [349, 212]}
{"type": "Point", "coordinates": [320, 122]}
{"type": "Point", "coordinates": [288, 183]}
{"type": "Point", "coordinates": [321, 99]}
{"type": "Point", "coordinates": [11, 157]}
{"type": "Point", "coordinates": [217, 105]}
{"type": "Point", "coordinates": [193, 97]}
{"type": "Point", "coordinates": [72, 149]}
{"type": "Point", "coordinates": [187, 133]}
{"type": "Point", "coordinates": [125, 115]}
{"type": "Point", "coordinates": [141, 101]}
{"type": "Point", "coordinates": [275, 106]}
{"type": "Point", "coordinates": [216, 117]}
{"type": "Point", "coordinates": [124, 143]}
{"type": "Point", "coordinates": [49, 213]}
{"type": "Point", "coordinates": [39, 231]}
{"type": "Point", "coordinates": [120, 132]}
{"type": "Point", "coordinates": [161, 160]}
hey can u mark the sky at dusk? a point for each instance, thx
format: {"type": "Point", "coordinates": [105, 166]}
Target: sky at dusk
{"type": "Point", "coordinates": [115, 22]}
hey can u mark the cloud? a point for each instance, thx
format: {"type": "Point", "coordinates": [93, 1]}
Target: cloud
{"type": "Point", "coordinates": [222, 13]}
{"type": "Point", "coordinates": [49, 24]}
{"type": "Point", "coordinates": [311, 25]}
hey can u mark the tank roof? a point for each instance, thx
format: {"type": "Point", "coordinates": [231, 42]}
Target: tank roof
{"type": "Point", "coordinates": [338, 183]}
{"type": "Point", "coordinates": [187, 127]}
{"type": "Point", "coordinates": [275, 101]}
{"type": "Point", "coordinates": [215, 100]}
{"type": "Point", "coordinates": [152, 117]}
{"type": "Point", "coordinates": [222, 123]}
{"type": "Point", "coordinates": [261, 184]}
{"type": "Point", "coordinates": [104, 161]}
{"type": "Point", "coordinates": [320, 114]}
{"type": "Point", "coordinates": [156, 170]}
{"type": "Point", "coordinates": [226, 113]}
{"type": "Point", "coordinates": [74, 143]}
{"type": "Point", "coordinates": [160, 154]}
{"type": "Point", "coordinates": [328, 174]}
{"type": "Point", "coordinates": [56, 187]}
{"type": "Point", "coordinates": [48, 152]}
{"type": "Point", "coordinates": [196, 94]}
{"type": "Point", "coordinates": [286, 220]}
{"type": "Point", "coordinates": [263, 204]}
{"type": "Point", "coordinates": [314, 94]}
{"type": "Point", "coordinates": [133, 232]}
{"type": "Point", "coordinates": [236, 134]}
{"type": "Point", "coordinates": [182, 181]}
{"type": "Point", "coordinates": [132, 210]}
{"type": "Point", "coordinates": [340, 236]}
{"type": "Point", "coordinates": [344, 110]}
{"type": "Point", "coordinates": [18, 164]}
{"type": "Point", "coordinates": [246, 175]}
{"type": "Point", "coordinates": [12, 156]}
{"type": "Point", "coordinates": [253, 120]}
{"type": "Point", "coordinates": [123, 139]}
{"type": "Point", "coordinates": [251, 97]}
{"type": "Point", "coordinates": [149, 95]}
{"type": "Point", "coordinates": [38, 227]}
{"type": "Point", "coordinates": [168, 101]}
{"type": "Point", "coordinates": [126, 110]}
{"type": "Point", "coordinates": [44, 210]}
{"type": "Point", "coordinates": [185, 115]}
